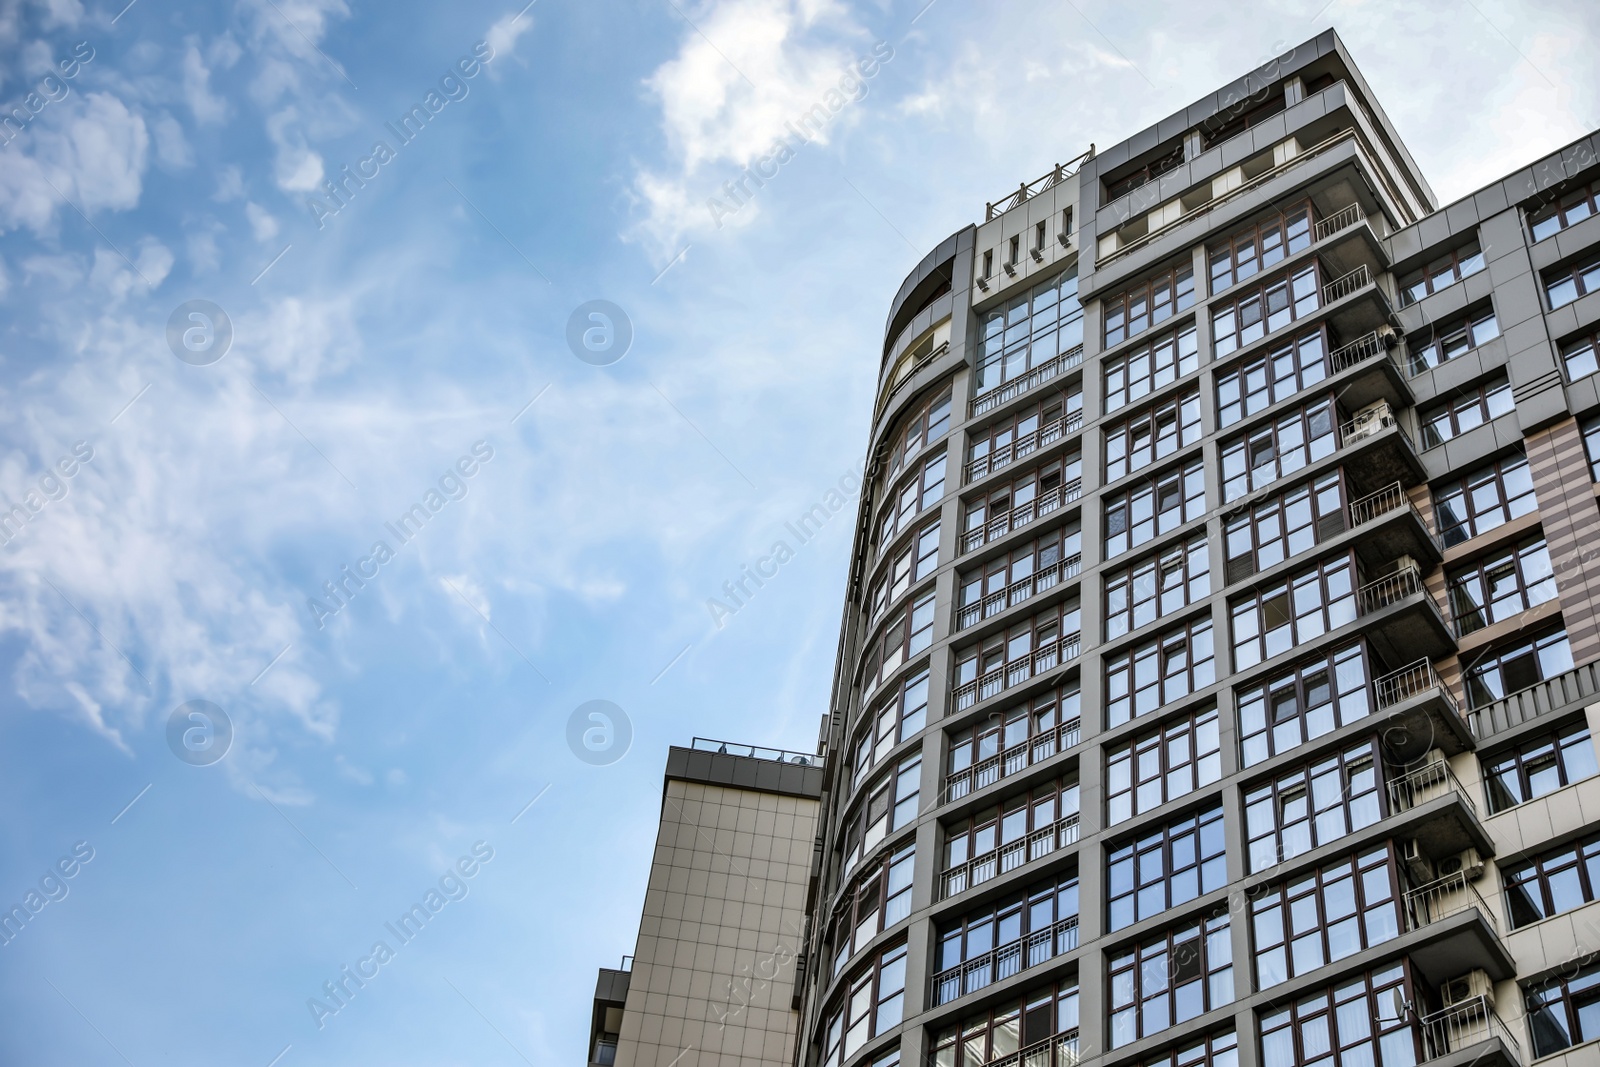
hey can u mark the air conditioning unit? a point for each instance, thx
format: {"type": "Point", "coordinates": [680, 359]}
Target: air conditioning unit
{"type": "Point", "coordinates": [1369, 420]}
{"type": "Point", "coordinates": [1468, 863]}
{"type": "Point", "coordinates": [1470, 986]}
{"type": "Point", "coordinates": [1418, 865]}
{"type": "Point", "coordinates": [1387, 336]}
{"type": "Point", "coordinates": [1406, 563]}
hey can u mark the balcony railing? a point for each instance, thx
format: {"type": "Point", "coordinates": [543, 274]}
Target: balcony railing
{"type": "Point", "coordinates": [1412, 680]}
{"type": "Point", "coordinates": [777, 755]}
{"type": "Point", "coordinates": [1463, 1025]}
{"type": "Point", "coordinates": [1391, 497]}
{"type": "Point", "coordinates": [1002, 456]}
{"type": "Point", "coordinates": [1018, 591]}
{"type": "Point", "coordinates": [1444, 897]}
{"type": "Point", "coordinates": [1346, 284]}
{"type": "Point", "coordinates": [1010, 856]}
{"type": "Point", "coordinates": [1044, 372]}
{"type": "Point", "coordinates": [1390, 589]}
{"type": "Point", "coordinates": [1022, 514]}
{"type": "Point", "coordinates": [991, 769]}
{"type": "Point", "coordinates": [1058, 1051]}
{"type": "Point", "coordinates": [1045, 658]}
{"type": "Point", "coordinates": [1001, 963]}
{"type": "Point", "coordinates": [1429, 781]}
{"type": "Point", "coordinates": [1342, 219]}
{"type": "Point", "coordinates": [1551, 696]}
{"type": "Point", "coordinates": [1369, 424]}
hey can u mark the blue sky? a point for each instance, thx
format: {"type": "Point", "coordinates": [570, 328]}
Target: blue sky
{"type": "Point", "coordinates": [375, 347]}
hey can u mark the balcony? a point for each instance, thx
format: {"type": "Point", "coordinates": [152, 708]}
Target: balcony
{"type": "Point", "coordinates": [1368, 372]}
{"type": "Point", "coordinates": [1058, 1051]}
{"type": "Point", "coordinates": [1437, 811]}
{"type": "Point", "coordinates": [1008, 857]}
{"type": "Point", "coordinates": [1004, 455]}
{"type": "Point", "coordinates": [1403, 620]}
{"type": "Point", "coordinates": [1047, 371]}
{"type": "Point", "coordinates": [1018, 591]}
{"type": "Point", "coordinates": [1392, 527]}
{"type": "Point", "coordinates": [1376, 450]}
{"type": "Point", "coordinates": [1457, 931]}
{"type": "Point", "coordinates": [1008, 761]}
{"type": "Point", "coordinates": [1420, 713]}
{"type": "Point", "coordinates": [1041, 660]}
{"type": "Point", "coordinates": [1022, 514]}
{"type": "Point", "coordinates": [1001, 963]}
{"type": "Point", "coordinates": [1469, 1033]}
{"type": "Point", "coordinates": [1581, 685]}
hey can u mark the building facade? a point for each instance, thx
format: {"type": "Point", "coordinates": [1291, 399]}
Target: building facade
{"type": "Point", "coordinates": [1220, 660]}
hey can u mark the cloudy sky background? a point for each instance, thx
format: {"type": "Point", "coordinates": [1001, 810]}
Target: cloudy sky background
{"type": "Point", "coordinates": [422, 318]}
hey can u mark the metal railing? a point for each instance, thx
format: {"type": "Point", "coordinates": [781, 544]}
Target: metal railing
{"type": "Point", "coordinates": [1018, 591]}
{"type": "Point", "coordinates": [1058, 1051]}
{"type": "Point", "coordinates": [1409, 681]}
{"type": "Point", "coordinates": [1342, 219]}
{"type": "Point", "coordinates": [1346, 284]}
{"type": "Point", "coordinates": [1429, 781]}
{"type": "Point", "coordinates": [1362, 426]}
{"type": "Point", "coordinates": [1463, 1025]}
{"type": "Point", "coordinates": [1022, 514]}
{"type": "Point", "coordinates": [1581, 685]}
{"type": "Point", "coordinates": [1044, 372]}
{"type": "Point", "coordinates": [1360, 350]}
{"type": "Point", "coordinates": [1028, 190]}
{"type": "Point", "coordinates": [1391, 497]}
{"type": "Point", "coordinates": [1003, 455]}
{"type": "Point", "coordinates": [991, 769]}
{"type": "Point", "coordinates": [1390, 589]}
{"type": "Point", "coordinates": [1006, 960]}
{"type": "Point", "coordinates": [1444, 897]}
{"type": "Point", "coordinates": [1009, 857]}
{"type": "Point", "coordinates": [776, 755]}
{"type": "Point", "coordinates": [1046, 658]}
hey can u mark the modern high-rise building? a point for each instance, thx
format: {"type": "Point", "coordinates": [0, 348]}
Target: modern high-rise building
{"type": "Point", "coordinates": [1220, 660]}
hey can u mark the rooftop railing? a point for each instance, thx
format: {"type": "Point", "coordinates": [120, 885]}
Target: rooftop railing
{"type": "Point", "coordinates": [1044, 372]}
{"type": "Point", "coordinates": [1018, 591]}
{"type": "Point", "coordinates": [1009, 856]}
{"type": "Point", "coordinates": [991, 769]}
{"type": "Point", "coordinates": [1003, 455]}
{"type": "Point", "coordinates": [1028, 190]}
{"type": "Point", "coordinates": [1045, 658]}
{"type": "Point", "coordinates": [1005, 960]}
{"type": "Point", "coordinates": [1022, 514]}
{"type": "Point", "coordinates": [776, 755]}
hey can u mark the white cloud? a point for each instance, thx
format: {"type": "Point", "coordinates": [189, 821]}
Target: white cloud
{"type": "Point", "coordinates": [262, 224]}
{"type": "Point", "coordinates": [113, 273]}
{"type": "Point", "coordinates": [502, 38]}
{"type": "Point", "coordinates": [96, 157]}
{"type": "Point", "coordinates": [62, 12]}
{"type": "Point", "coordinates": [297, 168]}
{"type": "Point", "coordinates": [206, 107]}
{"type": "Point", "coordinates": [172, 148]}
{"type": "Point", "coordinates": [230, 184]}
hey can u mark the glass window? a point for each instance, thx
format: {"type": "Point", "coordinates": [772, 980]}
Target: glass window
{"type": "Point", "coordinates": [1439, 344]}
{"type": "Point", "coordinates": [1024, 827]}
{"type": "Point", "coordinates": [874, 1003]}
{"type": "Point", "coordinates": [1313, 805]}
{"type": "Point", "coordinates": [1284, 526]}
{"type": "Point", "coordinates": [1324, 916]}
{"type": "Point", "coordinates": [1495, 588]}
{"type": "Point", "coordinates": [908, 633]}
{"type": "Point", "coordinates": [1170, 979]}
{"type": "Point", "coordinates": [1032, 731]}
{"type": "Point", "coordinates": [1568, 209]}
{"type": "Point", "coordinates": [1565, 1010]}
{"type": "Point", "coordinates": [898, 719]}
{"type": "Point", "coordinates": [916, 495]}
{"type": "Point", "coordinates": [1360, 1022]}
{"type": "Point", "coordinates": [1021, 432]}
{"type": "Point", "coordinates": [1260, 381]}
{"type": "Point", "coordinates": [998, 509]}
{"type": "Point", "coordinates": [1279, 448]}
{"type": "Point", "coordinates": [1468, 409]}
{"type": "Point", "coordinates": [1484, 500]}
{"type": "Point", "coordinates": [1539, 765]}
{"type": "Point", "coordinates": [1023, 650]}
{"type": "Point", "coordinates": [1236, 118]}
{"type": "Point", "coordinates": [1142, 439]}
{"type": "Point", "coordinates": [1163, 764]}
{"type": "Point", "coordinates": [925, 425]}
{"type": "Point", "coordinates": [1440, 274]}
{"type": "Point", "coordinates": [1148, 509]}
{"type": "Point", "coordinates": [1041, 1021]}
{"type": "Point", "coordinates": [1561, 879]}
{"type": "Point", "coordinates": [1275, 618]}
{"type": "Point", "coordinates": [1215, 1050]}
{"type": "Point", "coordinates": [1265, 309]}
{"type": "Point", "coordinates": [1173, 865]}
{"type": "Point", "coordinates": [1156, 672]}
{"type": "Point", "coordinates": [1591, 445]}
{"type": "Point", "coordinates": [1010, 578]}
{"type": "Point", "coordinates": [1566, 284]}
{"type": "Point", "coordinates": [1029, 332]}
{"type": "Point", "coordinates": [1145, 368]}
{"type": "Point", "coordinates": [889, 805]}
{"type": "Point", "coordinates": [880, 899]}
{"type": "Point", "coordinates": [1148, 304]}
{"type": "Point", "coordinates": [916, 561]}
{"type": "Point", "coordinates": [1260, 246]}
{"type": "Point", "coordinates": [1581, 356]}
{"type": "Point", "coordinates": [1303, 703]}
{"type": "Point", "coordinates": [1157, 585]}
{"type": "Point", "coordinates": [1516, 666]}
{"type": "Point", "coordinates": [998, 940]}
